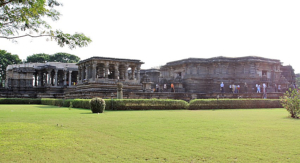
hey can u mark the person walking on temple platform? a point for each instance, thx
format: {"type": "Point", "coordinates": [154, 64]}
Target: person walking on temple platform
{"type": "Point", "coordinates": [157, 88]}
{"type": "Point", "coordinates": [233, 88]}
{"type": "Point", "coordinates": [165, 87]}
{"type": "Point", "coordinates": [264, 87]}
{"type": "Point", "coordinates": [172, 88]}
{"type": "Point", "coordinates": [258, 89]}
{"type": "Point", "coordinates": [230, 88]}
{"type": "Point", "coordinates": [279, 88]}
{"type": "Point", "coordinates": [246, 87]}
{"type": "Point", "coordinates": [222, 87]}
{"type": "Point", "coordinates": [238, 88]}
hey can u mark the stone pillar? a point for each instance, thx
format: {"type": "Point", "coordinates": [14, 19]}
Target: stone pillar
{"type": "Point", "coordinates": [106, 67]}
{"type": "Point", "coordinates": [133, 72]}
{"type": "Point", "coordinates": [70, 78]}
{"type": "Point", "coordinates": [48, 79]}
{"type": "Point", "coordinates": [82, 73]}
{"type": "Point", "coordinates": [117, 71]}
{"type": "Point", "coordinates": [86, 72]}
{"type": "Point", "coordinates": [126, 72]}
{"type": "Point", "coordinates": [65, 77]}
{"type": "Point", "coordinates": [55, 77]}
{"type": "Point", "coordinates": [120, 91]}
{"type": "Point", "coordinates": [138, 73]}
{"type": "Point", "coordinates": [94, 70]}
{"type": "Point", "coordinates": [40, 79]}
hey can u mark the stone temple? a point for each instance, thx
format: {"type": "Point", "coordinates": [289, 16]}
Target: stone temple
{"type": "Point", "coordinates": [205, 75]}
{"type": "Point", "coordinates": [192, 78]}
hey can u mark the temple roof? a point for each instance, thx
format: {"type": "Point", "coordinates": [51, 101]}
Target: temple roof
{"type": "Point", "coordinates": [111, 59]}
{"type": "Point", "coordinates": [223, 59]}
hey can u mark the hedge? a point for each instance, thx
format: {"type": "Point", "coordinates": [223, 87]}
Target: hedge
{"type": "Point", "coordinates": [122, 104]}
{"type": "Point", "coordinates": [153, 104]}
{"type": "Point", "coordinates": [146, 104]}
{"type": "Point", "coordinates": [234, 103]}
{"type": "Point", "coordinates": [20, 101]}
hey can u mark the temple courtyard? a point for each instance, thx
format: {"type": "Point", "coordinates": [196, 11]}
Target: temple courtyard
{"type": "Point", "coordinates": [40, 133]}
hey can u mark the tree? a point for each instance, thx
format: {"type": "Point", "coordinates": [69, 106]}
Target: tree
{"type": "Point", "coordinates": [40, 58]}
{"type": "Point", "coordinates": [291, 102]}
{"type": "Point", "coordinates": [64, 57]}
{"type": "Point", "coordinates": [26, 16]}
{"type": "Point", "coordinates": [5, 60]}
{"type": "Point", "coordinates": [57, 57]}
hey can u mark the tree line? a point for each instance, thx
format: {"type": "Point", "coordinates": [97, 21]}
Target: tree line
{"type": "Point", "coordinates": [7, 58]}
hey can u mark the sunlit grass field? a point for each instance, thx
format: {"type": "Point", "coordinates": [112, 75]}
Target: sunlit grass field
{"type": "Point", "coordinates": [40, 133]}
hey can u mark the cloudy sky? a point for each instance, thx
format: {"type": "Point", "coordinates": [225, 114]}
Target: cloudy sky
{"type": "Point", "coordinates": [160, 31]}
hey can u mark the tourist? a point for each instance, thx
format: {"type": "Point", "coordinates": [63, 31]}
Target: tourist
{"type": "Point", "coordinates": [279, 88]}
{"type": "Point", "coordinates": [157, 88]}
{"type": "Point", "coordinates": [238, 88]}
{"type": "Point", "coordinates": [264, 87]}
{"type": "Point", "coordinates": [258, 89]}
{"type": "Point", "coordinates": [222, 87]}
{"type": "Point", "coordinates": [165, 87]}
{"type": "Point", "coordinates": [172, 88]}
{"type": "Point", "coordinates": [233, 88]}
{"type": "Point", "coordinates": [230, 88]}
{"type": "Point", "coordinates": [246, 87]}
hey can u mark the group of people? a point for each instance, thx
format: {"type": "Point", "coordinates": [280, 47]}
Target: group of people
{"type": "Point", "coordinates": [164, 88]}
{"type": "Point", "coordinates": [259, 89]}
{"type": "Point", "coordinates": [234, 88]}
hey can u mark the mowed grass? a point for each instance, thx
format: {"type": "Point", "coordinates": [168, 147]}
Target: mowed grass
{"type": "Point", "coordinates": [40, 133]}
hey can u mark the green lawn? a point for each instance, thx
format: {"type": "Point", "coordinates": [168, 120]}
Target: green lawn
{"type": "Point", "coordinates": [40, 133]}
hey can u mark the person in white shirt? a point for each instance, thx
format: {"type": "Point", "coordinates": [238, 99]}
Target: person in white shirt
{"type": "Point", "coordinates": [264, 87]}
{"type": "Point", "coordinates": [222, 87]}
{"type": "Point", "coordinates": [165, 87]}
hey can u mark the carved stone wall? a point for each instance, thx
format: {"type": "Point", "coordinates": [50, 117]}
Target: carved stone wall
{"type": "Point", "coordinates": [205, 75]}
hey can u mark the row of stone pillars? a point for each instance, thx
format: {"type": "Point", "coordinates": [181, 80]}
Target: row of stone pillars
{"type": "Point", "coordinates": [120, 71]}
{"type": "Point", "coordinates": [50, 79]}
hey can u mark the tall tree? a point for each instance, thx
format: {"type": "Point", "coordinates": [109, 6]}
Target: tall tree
{"type": "Point", "coordinates": [64, 57]}
{"type": "Point", "coordinates": [27, 17]}
{"type": "Point", "coordinates": [5, 60]}
{"type": "Point", "coordinates": [40, 58]}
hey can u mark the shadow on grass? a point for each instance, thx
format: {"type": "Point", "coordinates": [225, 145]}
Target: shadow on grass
{"type": "Point", "coordinates": [290, 118]}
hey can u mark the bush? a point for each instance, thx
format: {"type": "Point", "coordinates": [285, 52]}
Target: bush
{"type": "Point", "coordinates": [233, 104]}
{"type": "Point", "coordinates": [291, 102]}
{"type": "Point", "coordinates": [97, 105]}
